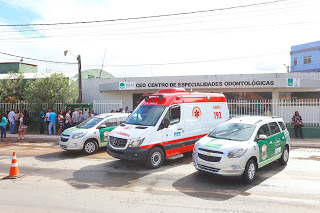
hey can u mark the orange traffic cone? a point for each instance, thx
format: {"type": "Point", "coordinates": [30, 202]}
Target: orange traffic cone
{"type": "Point", "coordinates": [14, 170]}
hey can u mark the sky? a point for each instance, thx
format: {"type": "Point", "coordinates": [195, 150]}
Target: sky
{"type": "Point", "coordinates": [234, 37]}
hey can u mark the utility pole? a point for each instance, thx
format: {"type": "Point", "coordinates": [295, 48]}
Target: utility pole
{"type": "Point", "coordinates": [79, 74]}
{"type": "Point", "coordinates": [79, 78]}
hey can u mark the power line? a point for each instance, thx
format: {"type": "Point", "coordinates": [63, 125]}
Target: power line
{"type": "Point", "coordinates": [144, 17]}
{"type": "Point", "coordinates": [163, 31]}
{"type": "Point", "coordinates": [34, 59]}
{"type": "Point", "coordinates": [153, 64]}
{"type": "Point", "coordinates": [190, 62]}
{"type": "Point", "coordinates": [31, 29]}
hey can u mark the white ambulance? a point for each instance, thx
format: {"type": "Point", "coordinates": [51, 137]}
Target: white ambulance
{"type": "Point", "coordinates": [166, 124]}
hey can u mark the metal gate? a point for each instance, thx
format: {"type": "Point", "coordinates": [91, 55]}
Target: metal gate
{"type": "Point", "coordinates": [105, 106]}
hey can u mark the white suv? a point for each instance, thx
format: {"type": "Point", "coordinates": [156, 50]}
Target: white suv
{"type": "Point", "coordinates": [241, 145]}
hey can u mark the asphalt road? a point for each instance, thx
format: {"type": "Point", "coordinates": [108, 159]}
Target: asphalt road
{"type": "Point", "coordinates": [55, 180]}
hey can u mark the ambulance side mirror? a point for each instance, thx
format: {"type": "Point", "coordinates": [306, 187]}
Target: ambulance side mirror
{"type": "Point", "coordinates": [262, 137]}
{"type": "Point", "coordinates": [166, 123]}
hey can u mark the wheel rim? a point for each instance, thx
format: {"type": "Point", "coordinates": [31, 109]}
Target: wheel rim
{"type": "Point", "coordinates": [251, 171]}
{"type": "Point", "coordinates": [156, 158]}
{"type": "Point", "coordinates": [285, 155]}
{"type": "Point", "coordinates": [90, 147]}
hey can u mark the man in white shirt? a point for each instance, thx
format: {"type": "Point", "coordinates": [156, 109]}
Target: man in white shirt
{"type": "Point", "coordinates": [48, 118]}
{"type": "Point", "coordinates": [75, 117]}
{"type": "Point", "coordinates": [11, 120]}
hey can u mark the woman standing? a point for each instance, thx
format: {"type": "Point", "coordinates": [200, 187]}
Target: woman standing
{"type": "Point", "coordinates": [22, 126]}
{"type": "Point", "coordinates": [3, 127]}
{"type": "Point", "coordinates": [68, 119]}
{"type": "Point", "coordinates": [297, 122]}
{"type": "Point", "coordinates": [61, 122]}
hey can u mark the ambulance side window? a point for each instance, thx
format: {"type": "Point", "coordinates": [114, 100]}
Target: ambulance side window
{"type": "Point", "coordinates": [173, 114]}
{"type": "Point", "coordinates": [274, 128]}
{"type": "Point", "coordinates": [264, 130]}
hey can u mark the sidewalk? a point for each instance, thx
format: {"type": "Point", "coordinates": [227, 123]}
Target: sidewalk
{"type": "Point", "coordinates": [295, 143]}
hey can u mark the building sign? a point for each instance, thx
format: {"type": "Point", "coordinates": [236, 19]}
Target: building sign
{"type": "Point", "coordinates": [130, 85]}
{"type": "Point", "coordinates": [209, 84]}
{"type": "Point", "coordinates": [293, 82]}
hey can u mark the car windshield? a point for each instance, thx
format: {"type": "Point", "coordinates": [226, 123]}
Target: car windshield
{"type": "Point", "coordinates": [233, 131]}
{"type": "Point", "coordinates": [147, 115]}
{"type": "Point", "coordinates": [91, 122]}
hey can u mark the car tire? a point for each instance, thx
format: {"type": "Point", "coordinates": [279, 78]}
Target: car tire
{"type": "Point", "coordinates": [283, 160]}
{"type": "Point", "coordinates": [155, 158]}
{"type": "Point", "coordinates": [90, 147]}
{"type": "Point", "coordinates": [250, 171]}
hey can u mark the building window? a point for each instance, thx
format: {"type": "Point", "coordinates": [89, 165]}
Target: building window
{"type": "Point", "coordinates": [295, 61]}
{"type": "Point", "coordinates": [307, 59]}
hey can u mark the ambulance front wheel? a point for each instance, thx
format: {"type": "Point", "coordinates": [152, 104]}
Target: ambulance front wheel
{"type": "Point", "coordinates": [155, 158]}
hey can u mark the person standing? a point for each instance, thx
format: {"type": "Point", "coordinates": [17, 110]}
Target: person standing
{"type": "Point", "coordinates": [81, 117]}
{"type": "Point", "coordinates": [16, 122]}
{"type": "Point", "coordinates": [126, 109]}
{"type": "Point", "coordinates": [68, 120]}
{"type": "Point", "coordinates": [11, 120]}
{"type": "Point", "coordinates": [75, 117]}
{"type": "Point", "coordinates": [93, 113]}
{"type": "Point", "coordinates": [61, 122]}
{"type": "Point", "coordinates": [22, 126]}
{"type": "Point", "coordinates": [3, 127]}
{"type": "Point", "coordinates": [42, 119]}
{"type": "Point", "coordinates": [48, 118]}
{"type": "Point", "coordinates": [52, 124]}
{"type": "Point", "coordinates": [297, 122]}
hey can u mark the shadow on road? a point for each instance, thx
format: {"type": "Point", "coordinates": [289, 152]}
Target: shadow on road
{"type": "Point", "coordinates": [213, 187]}
{"type": "Point", "coordinates": [120, 173]}
{"type": "Point", "coordinates": [64, 154]}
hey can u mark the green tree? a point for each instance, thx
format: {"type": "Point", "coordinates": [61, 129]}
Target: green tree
{"type": "Point", "coordinates": [13, 85]}
{"type": "Point", "coordinates": [49, 90]}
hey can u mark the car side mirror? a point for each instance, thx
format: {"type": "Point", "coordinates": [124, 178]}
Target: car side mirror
{"type": "Point", "coordinates": [166, 122]}
{"type": "Point", "coordinates": [263, 137]}
{"type": "Point", "coordinates": [102, 126]}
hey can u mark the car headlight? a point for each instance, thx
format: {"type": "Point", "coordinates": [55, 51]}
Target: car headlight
{"type": "Point", "coordinates": [79, 135]}
{"type": "Point", "coordinates": [135, 142]}
{"type": "Point", "coordinates": [237, 153]}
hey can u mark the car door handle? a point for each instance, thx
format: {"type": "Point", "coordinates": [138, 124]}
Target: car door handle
{"type": "Point", "coordinates": [180, 128]}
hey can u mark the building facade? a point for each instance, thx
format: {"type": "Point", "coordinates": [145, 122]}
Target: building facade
{"type": "Point", "coordinates": [6, 67]}
{"type": "Point", "coordinates": [305, 57]}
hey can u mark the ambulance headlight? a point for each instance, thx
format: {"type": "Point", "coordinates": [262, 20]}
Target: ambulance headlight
{"type": "Point", "coordinates": [79, 135]}
{"type": "Point", "coordinates": [237, 153]}
{"type": "Point", "coordinates": [135, 142]}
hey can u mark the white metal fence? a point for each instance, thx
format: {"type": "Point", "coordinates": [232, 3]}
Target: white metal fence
{"type": "Point", "coordinates": [105, 106]}
{"type": "Point", "coordinates": [309, 109]}
{"type": "Point", "coordinates": [32, 109]}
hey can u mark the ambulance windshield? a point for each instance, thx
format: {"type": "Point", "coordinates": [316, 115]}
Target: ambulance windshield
{"type": "Point", "coordinates": [147, 115]}
{"type": "Point", "coordinates": [233, 131]}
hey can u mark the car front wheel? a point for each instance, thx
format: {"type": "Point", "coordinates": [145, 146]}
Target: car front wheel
{"type": "Point", "coordinates": [90, 147]}
{"type": "Point", "coordinates": [250, 171]}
